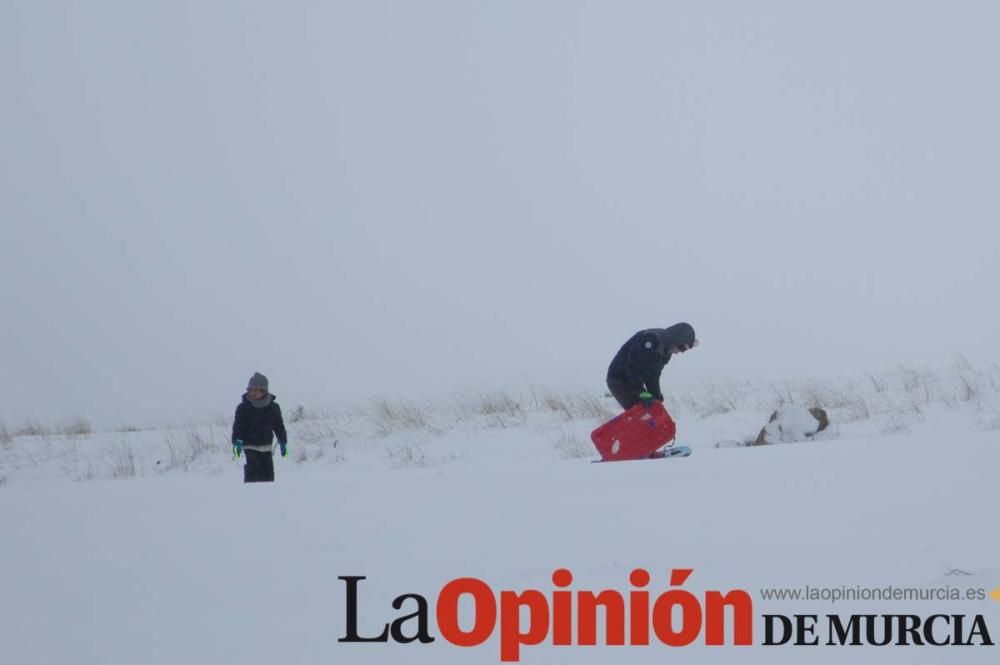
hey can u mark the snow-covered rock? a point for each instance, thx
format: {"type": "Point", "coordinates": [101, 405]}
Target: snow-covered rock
{"type": "Point", "coordinates": [790, 424]}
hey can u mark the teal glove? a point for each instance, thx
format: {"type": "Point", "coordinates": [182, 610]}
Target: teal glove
{"type": "Point", "coordinates": [284, 448]}
{"type": "Point", "coordinates": [647, 399]}
{"type": "Point", "coordinates": [237, 448]}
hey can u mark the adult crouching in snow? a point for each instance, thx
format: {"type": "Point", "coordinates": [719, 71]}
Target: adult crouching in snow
{"type": "Point", "coordinates": [258, 419]}
{"type": "Point", "coordinates": [634, 374]}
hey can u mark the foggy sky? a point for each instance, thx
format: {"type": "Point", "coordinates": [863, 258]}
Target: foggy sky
{"type": "Point", "coordinates": [411, 199]}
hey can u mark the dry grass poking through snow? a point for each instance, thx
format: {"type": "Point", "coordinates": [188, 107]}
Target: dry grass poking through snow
{"type": "Point", "coordinates": [900, 391]}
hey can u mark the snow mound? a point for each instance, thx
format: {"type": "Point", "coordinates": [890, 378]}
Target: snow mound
{"type": "Point", "coordinates": [791, 424]}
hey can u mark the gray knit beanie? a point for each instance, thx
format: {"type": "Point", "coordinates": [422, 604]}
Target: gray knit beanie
{"type": "Point", "coordinates": [258, 380]}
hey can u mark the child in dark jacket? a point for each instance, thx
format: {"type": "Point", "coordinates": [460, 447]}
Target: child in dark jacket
{"type": "Point", "coordinates": [258, 420]}
{"type": "Point", "coordinates": [634, 374]}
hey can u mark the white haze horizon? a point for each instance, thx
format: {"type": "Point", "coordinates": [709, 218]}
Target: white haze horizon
{"type": "Point", "coordinates": [409, 200]}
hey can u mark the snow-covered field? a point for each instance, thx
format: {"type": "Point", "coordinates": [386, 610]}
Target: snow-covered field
{"type": "Point", "coordinates": [145, 546]}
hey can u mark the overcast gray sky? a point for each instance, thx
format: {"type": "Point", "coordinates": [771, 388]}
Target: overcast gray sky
{"type": "Point", "coordinates": [413, 198]}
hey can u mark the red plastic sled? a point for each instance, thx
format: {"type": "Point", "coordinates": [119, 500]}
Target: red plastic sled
{"type": "Point", "coordinates": [634, 434]}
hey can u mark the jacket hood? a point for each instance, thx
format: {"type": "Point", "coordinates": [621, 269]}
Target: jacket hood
{"type": "Point", "coordinates": [679, 334]}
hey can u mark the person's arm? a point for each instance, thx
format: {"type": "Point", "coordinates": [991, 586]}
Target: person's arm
{"type": "Point", "coordinates": [279, 425]}
{"type": "Point", "coordinates": [643, 364]}
{"type": "Point", "coordinates": [237, 425]}
{"type": "Point", "coordinates": [238, 432]}
{"type": "Point", "coordinates": [651, 378]}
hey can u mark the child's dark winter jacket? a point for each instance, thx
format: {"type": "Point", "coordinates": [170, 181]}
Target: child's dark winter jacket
{"type": "Point", "coordinates": [257, 422]}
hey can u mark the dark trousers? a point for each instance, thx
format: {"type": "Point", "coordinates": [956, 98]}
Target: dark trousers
{"type": "Point", "coordinates": [626, 396]}
{"type": "Point", "coordinates": [259, 467]}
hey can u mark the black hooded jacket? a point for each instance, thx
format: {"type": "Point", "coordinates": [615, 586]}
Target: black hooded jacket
{"type": "Point", "coordinates": [638, 364]}
{"type": "Point", "coordinates": [257, 426]}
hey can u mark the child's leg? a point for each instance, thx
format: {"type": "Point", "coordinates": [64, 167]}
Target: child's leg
{"type": "Point", "coordinates": [626, 397]}
{"type": "Point", "coordinates": [267, 467]}
{"type": "Point", "coordinates": [252, 470]}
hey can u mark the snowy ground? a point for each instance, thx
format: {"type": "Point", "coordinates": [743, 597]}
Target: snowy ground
{"type": "Point", "coordinates": [125, 547]}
